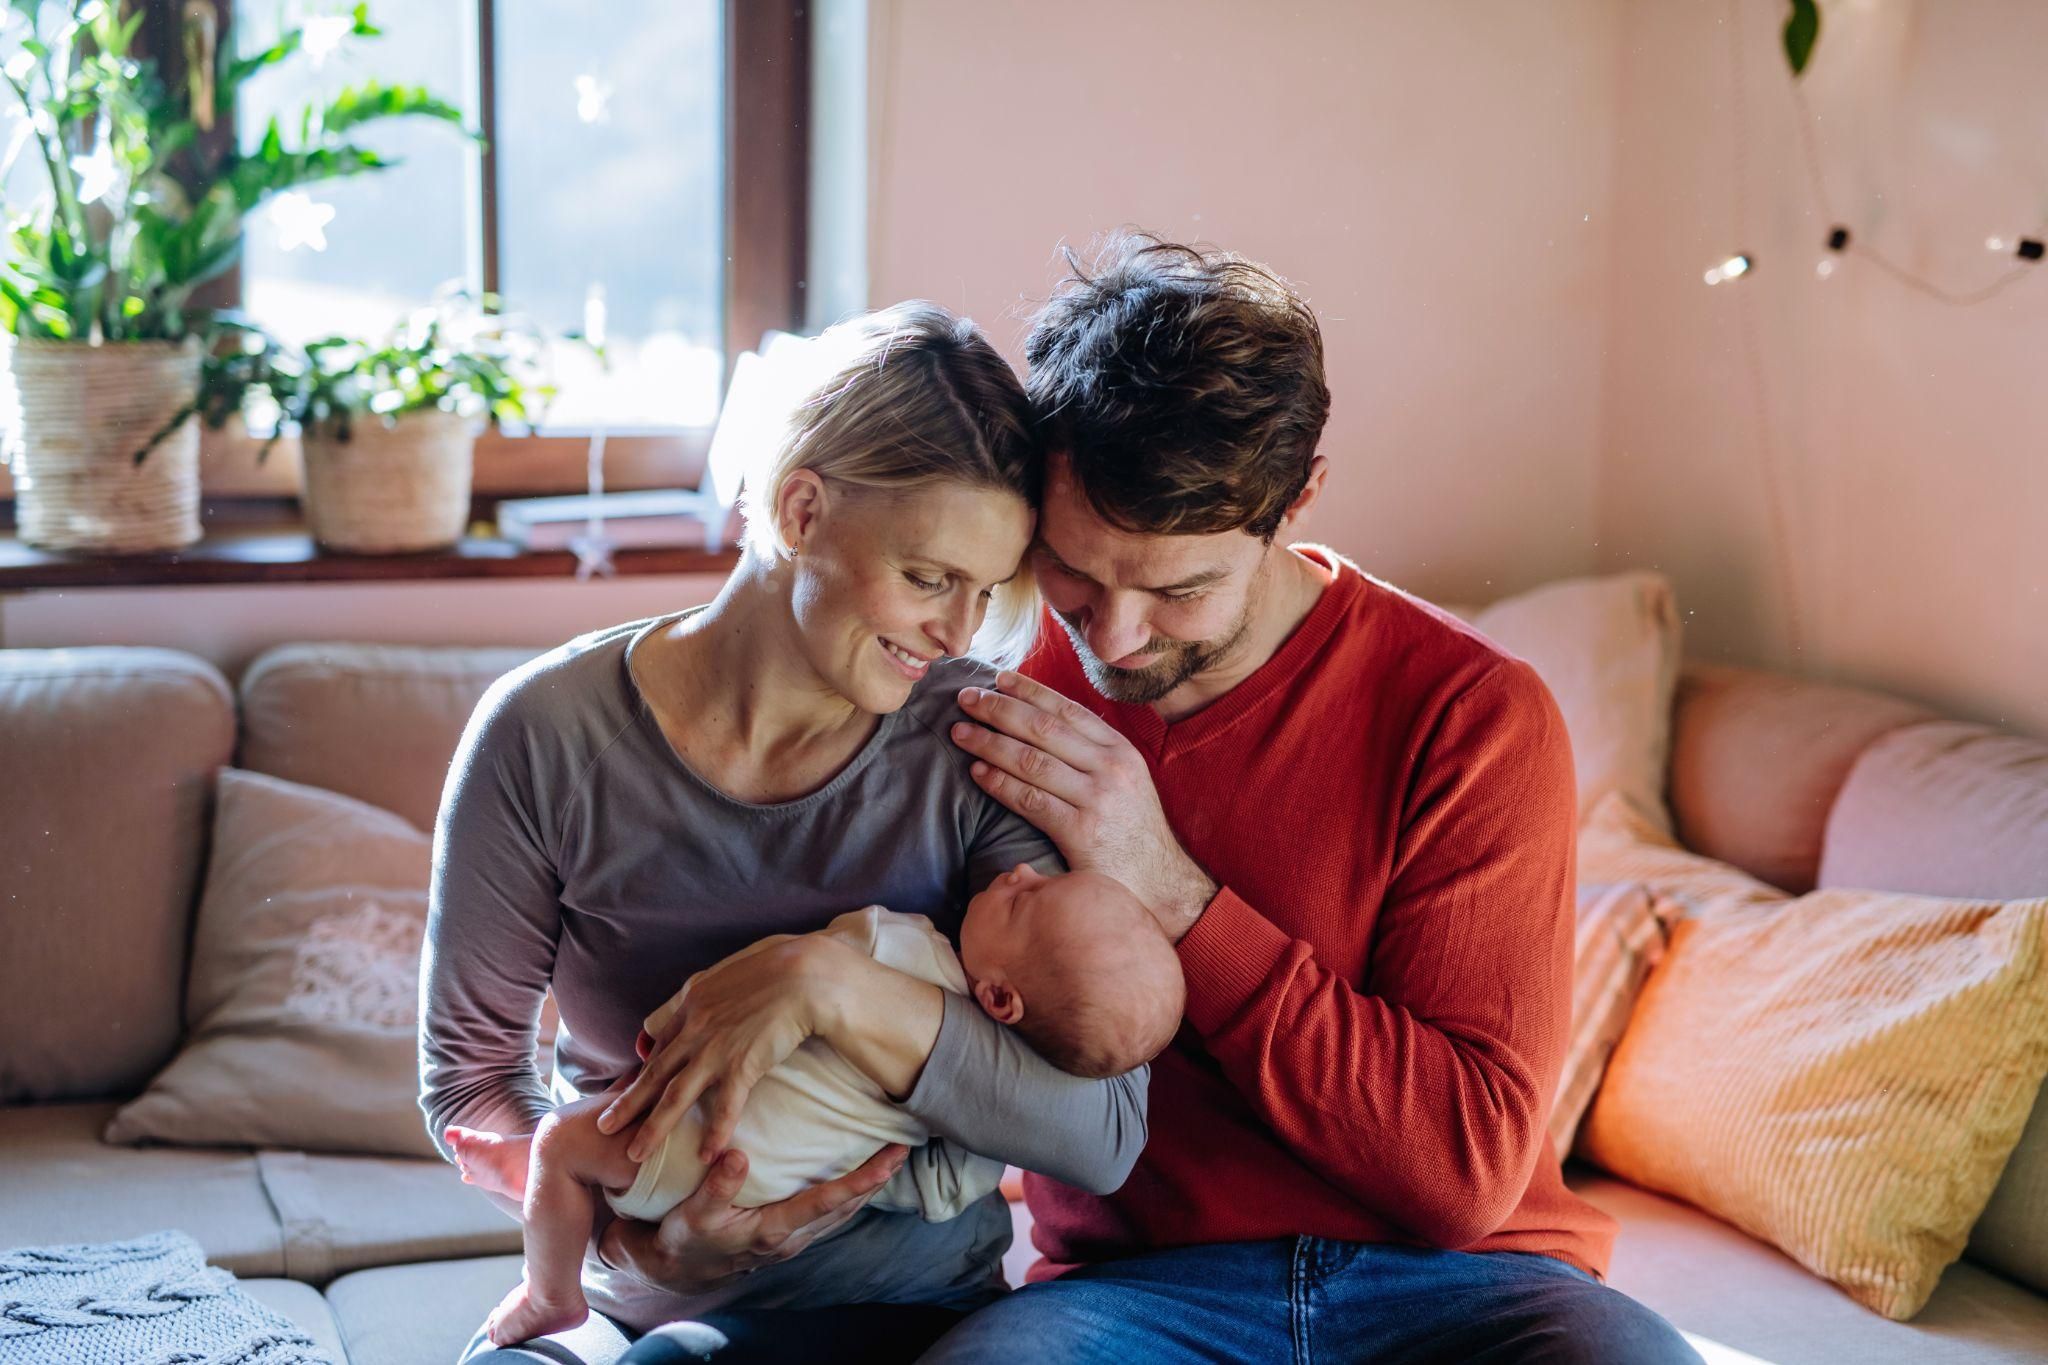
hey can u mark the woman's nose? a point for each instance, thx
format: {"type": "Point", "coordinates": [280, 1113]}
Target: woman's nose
{"type": "Point", "coordinates": [955, 631]}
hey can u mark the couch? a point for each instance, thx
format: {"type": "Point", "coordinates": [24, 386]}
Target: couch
{"type": "Point", "coordinates": [107, 760]}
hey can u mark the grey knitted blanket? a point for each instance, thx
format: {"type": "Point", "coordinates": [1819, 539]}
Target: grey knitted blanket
{"type": "Point", "coordinates": [152, 1301]}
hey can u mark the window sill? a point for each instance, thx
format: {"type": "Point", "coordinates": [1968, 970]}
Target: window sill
{"type": "Point", "coordinates": [282, 551]}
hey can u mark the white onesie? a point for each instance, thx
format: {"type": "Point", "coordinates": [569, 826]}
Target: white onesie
{"type": "Point", "coordinates": [816, 1117]}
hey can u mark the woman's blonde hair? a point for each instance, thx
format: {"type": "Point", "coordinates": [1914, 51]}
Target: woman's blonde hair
{"type": "Point", "coordinates": [915, 396]}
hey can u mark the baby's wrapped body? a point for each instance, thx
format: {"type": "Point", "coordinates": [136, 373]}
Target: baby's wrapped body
{"type": "Point", "coordinates": [815, 1117]}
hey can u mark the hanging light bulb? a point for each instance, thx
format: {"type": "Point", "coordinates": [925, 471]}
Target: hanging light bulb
{"type": "Point", "coordinates": [1825, 269]}
{"type": "Point", "coordinates": [1734, 268]}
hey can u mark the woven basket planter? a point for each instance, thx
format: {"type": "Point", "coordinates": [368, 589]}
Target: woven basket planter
{"type": "Point", "coordinates": [85, 411]}
{"type": "Point", "coordinates": [392, 489]}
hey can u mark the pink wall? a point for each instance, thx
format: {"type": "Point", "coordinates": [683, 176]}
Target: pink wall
{"type": "Point", "coordinates": [1909, 435]}
{"type": "Point", "coordinates": [1435, 177]}
{"type": "Point", "coordinates": [1502, 213]}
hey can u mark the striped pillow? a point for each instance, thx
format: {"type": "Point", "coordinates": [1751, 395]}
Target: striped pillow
{"type": "Point", "coordinates": [1619, 940]}
{"type": "Point", "coordinates": [1842, 1075]}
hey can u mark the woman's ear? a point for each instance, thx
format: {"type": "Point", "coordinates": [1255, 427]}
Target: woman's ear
{"type": "Point", "coordinates": [799, 504]}
{"type": "Point", "coordinates": [999, 1001]}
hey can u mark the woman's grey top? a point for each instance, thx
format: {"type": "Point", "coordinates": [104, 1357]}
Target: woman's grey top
{"type": "Point", "coordinates": [575, 849]}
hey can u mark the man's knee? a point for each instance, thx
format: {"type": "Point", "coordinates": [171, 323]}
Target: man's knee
{"type": "Point", "coordinates": [1590, 1324]}
{"type": "Point", "coordinates": [1057, 1319]}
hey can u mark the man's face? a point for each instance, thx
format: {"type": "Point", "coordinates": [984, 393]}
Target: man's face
{"type": "Point", "coordinates": [1145, 612]}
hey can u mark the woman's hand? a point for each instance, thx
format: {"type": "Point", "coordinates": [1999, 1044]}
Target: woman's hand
{"type": "Point", "coordinates": [738, 1021]}
{"type": "Point", "coordinates": [705, 1240]}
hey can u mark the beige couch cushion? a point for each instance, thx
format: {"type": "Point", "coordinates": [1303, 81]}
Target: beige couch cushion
{"type": "Point", "coordinates": [351, 1212]}
{"type": "Point", "coordinates": [1756, 761]}
{"type": "Point", "coordinates": [1724, 1288]}
{"type": "Point", "coordinates": [376, 722]}
{"type": "Point", "coordinates": [59, 1183]}
{"type": "Point", "coordinates": [108, 756]}
{"type": "Point", "coordinates": [1950, 809]}
{"type": "Point", "coordinates": [418, 1314]}
{"type": "Point", "coordinates": [304, 989]}
{"type": "Point", "coordinates": [256, 1213]}
{"type": "Point", "coordinates": [304, 1306]}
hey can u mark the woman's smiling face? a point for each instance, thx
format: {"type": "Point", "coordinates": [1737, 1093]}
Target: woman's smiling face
{"type": "Point", "coordinates": [886, 583]}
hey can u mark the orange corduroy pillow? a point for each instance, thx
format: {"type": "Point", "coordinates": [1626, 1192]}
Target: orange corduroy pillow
{"type": "Point", "coordinates": [1842, 1075]}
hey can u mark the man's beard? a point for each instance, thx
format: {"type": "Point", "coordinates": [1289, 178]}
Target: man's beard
{"type": "Point", "coordinates": [1177, 662]}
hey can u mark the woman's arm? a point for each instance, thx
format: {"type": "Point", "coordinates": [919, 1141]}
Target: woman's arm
{"type": "Point", "coordinates": [983, 1087]}
{"type": "Point", "coordinates": [978, 1083]}
{"type": "Point", "coordinates": [967, 1077]}
{"type": "Point", "coordinates": [492, 920]}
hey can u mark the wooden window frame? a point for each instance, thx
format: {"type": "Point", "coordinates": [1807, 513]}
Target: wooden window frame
{"type": "Point", "coordinates": [767, 172]}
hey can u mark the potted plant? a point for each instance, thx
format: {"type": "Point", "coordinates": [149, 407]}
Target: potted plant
{"type": "Point", "coordinates": [143, 205]}
{"type": "Point", "coordinates": [387, 431]}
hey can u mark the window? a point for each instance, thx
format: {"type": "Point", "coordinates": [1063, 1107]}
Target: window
{"type": "Point", "coordinates": [642, 168]}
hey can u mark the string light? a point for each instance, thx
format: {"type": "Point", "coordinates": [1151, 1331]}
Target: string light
{"type": "Point", "coordinates": [2026, 250]}
{"type": "Point", "coordinates": [1734, 268]}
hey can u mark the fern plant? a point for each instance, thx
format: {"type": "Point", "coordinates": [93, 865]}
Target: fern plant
{"type": "Point", "coordinates": [141, 208]}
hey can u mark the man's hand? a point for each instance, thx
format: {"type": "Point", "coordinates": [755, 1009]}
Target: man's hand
{"type": "Point", "coordinates": [705, 1240]}
{"type": "Point", "coordinates": [1068, 772]}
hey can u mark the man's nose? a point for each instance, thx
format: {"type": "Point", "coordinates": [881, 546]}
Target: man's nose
{"type": "Point", "coordinates": [1118, 629]}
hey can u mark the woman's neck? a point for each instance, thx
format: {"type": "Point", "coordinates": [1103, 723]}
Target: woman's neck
{"type": "Point", "coordinates": [735, 675]}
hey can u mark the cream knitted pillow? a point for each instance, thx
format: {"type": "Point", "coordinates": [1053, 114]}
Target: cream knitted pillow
{"type": "Point", "coordinates": [1842, 1075]}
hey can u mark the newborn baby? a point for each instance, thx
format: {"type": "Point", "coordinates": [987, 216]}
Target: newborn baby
{"type": "Point", "coordinates": [1074, 962]}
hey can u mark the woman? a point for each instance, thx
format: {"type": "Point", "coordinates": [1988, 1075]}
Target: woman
{"type": "Point", "coordinates": [644, 801]}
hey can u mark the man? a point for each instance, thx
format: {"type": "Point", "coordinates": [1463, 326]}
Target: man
{"type": "Point", "coordinates": [1354, 816]}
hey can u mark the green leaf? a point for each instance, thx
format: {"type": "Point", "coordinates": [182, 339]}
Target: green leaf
{"type": "Point", "coordinates": [1802, 29]}
{"type": "Point", "coordinates": [375, 100]}
{"type": "Point", "coordinates": [235, 70]}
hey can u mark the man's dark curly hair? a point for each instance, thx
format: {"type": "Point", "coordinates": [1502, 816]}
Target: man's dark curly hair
{"type": "Point", "coordinates": [1184, 386]}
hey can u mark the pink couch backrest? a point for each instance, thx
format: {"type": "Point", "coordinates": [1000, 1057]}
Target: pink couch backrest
{"type": "Point", "coordinates": [1809, 784]}
{"type": "Point", "coordinates": [1758, 758]}
{"type": "Point", "coordinates": [1943, 808]}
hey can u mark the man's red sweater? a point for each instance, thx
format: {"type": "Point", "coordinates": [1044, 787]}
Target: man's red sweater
{"type": "Point", "coordinates": [1380, 995]}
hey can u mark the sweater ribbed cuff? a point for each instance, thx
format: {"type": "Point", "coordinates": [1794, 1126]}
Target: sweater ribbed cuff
{"type": "Point", "coordinates": [1232, 951]}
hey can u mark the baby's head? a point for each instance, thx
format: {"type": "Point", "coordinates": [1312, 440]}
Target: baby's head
{"type": "Point", "coordinates": [1103, 985]}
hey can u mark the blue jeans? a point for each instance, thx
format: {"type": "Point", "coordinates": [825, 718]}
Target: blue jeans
{"type": "Point", "coordinates": [1308, 1299]}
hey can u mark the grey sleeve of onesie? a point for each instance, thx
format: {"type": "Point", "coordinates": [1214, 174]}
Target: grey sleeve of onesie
{"type": "Point", "coordinates": [984, 1088]}
{"type": "Point", "coordinates": [987, 1090]}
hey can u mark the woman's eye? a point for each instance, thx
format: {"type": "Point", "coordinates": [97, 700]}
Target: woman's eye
{"type": "Point", "coordinates": [924, 584]}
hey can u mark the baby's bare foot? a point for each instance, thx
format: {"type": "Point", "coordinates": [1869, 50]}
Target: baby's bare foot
{"type": "Point", "coordinates": [524, 1315]}
{"type": "Point", "coordinates": [492, 1161]}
